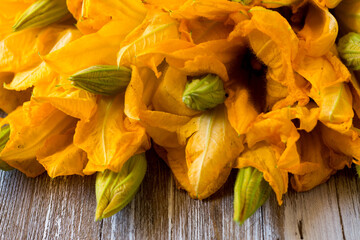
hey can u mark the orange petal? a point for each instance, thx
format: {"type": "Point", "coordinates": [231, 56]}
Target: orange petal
{"type": "Point", "coordinates": [109, 138]}
{"type": "Point", "coordinates": [61, 157]}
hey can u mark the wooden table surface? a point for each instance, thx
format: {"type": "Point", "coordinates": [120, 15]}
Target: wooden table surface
{"type": "Point", "coordinates": [64, 208]}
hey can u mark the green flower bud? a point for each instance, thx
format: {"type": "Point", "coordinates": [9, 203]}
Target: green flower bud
{"type": "Point", "coordinates": [204, 93]}
{"type": "Point", "coordinates": [115, 190]}
{"type": "Point", "coordinates": [349, 50]}
{"type": "Point", "coordinates": [4, 138]}
{"type": "Point", "coordinates": [102, 79]}
{"type": "Point", "coordinates": [357, 167]}
{"type": "Point", "coordinates": [251, 191]}
{"type": "Point", "coordinates": [42, 13]}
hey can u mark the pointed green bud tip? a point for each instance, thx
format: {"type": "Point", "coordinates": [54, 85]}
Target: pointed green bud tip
{"type": "Point", "coordinates": [115, 190]}
{"type": "Point", "coordinates": [4, 138]}
{"type": "Point", "coordinates": [41, 14]}
{"type": "Point", "coordinates": [349, 50]}
{"type": "Point", "coordinates": [102, 79]}
{"type": "Point", "coordinates": [204, 93]}
{"type": "Point", "coordinates": [251, 191]}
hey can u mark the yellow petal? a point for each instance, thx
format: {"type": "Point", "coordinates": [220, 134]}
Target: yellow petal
{"type": "Point", "coordinates": [168, 95]}
{"type": "Point", "coordinates": [341, 143]}
{"type": "Point", "coordinates": [277, 129]}
{"type": "Point", "coordinates": [336, 107]}
{"type": "Point", "coordinates": [61, 157]}
{"type": "Point", "coordinates": [346, 13]}
{"type": "Point", "coordinates": [210, 9]}
{"type": "Point", "coordinates": [51, 39]}
{"type": "Point", "coordinates": [211, 152]}
{"type": "Point", "coordinates": [10, 100]}
{"type": "Point", "coordinates": [319, 32]}
{"type": "Point", "coordinates": [109, 138]}
{"type": "Point", "coordinates": [156, 28]}
{"type": "Point", "coordinates": [312, 149]}
{"type": "Point", "coordinates": [30, 127]}
{"type": "Point", "coordinates": [327, 3]}
{"type": "Point", "coordinates": [92, 15]}
{"type": "Point", "coordinates": [275, 92]}
{"type": "Point", "coordinates": [262, 157]}
{"type": "Point", "coordinates": [276, 45]}
{"type": "Point", "coordinates": [10, 11]}
{"type": "Point", "coordinates": [240, 109]}
{"type": "Point", "coordinates": [161, 126]}
{"type": "Point", "coordinates": [99, 48]}
{"type": "Point", "coordinates": [203, 30]}
{"type": "Point", "coordinates": [72, 101]}
{"type": "Point", "coordinates": [19, 51]}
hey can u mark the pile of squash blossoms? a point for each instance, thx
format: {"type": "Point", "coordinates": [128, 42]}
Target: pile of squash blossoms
{"type": "Point", "coordinates": [89, 85]}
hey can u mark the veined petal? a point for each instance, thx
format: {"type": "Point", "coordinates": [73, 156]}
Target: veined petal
{"type": "Point", "coordinates": [30, 127]}
{"type": "Point", "coordinates": [61, 157]}
{"type": "Point", "coordinates": [72, 101]}
{"type": "Point", "coordinates": [277, 129]}
{"type": "Point", "coordinates": [98, 48]}
{"type": "Point", "coordinates": [211, 152]}
{"type": "Point", "coordinates": [92, 15]}
{"type": "Point", "coordinates": [156, 27]}
{"type": "Point", "coordinates": [312, 149]}
{"type": "Point", "coordinates": [14, 58]}
{"type": "Point", "coordinates": [241, 111]}
{"type": "Point", "coordinates": [110, 138]}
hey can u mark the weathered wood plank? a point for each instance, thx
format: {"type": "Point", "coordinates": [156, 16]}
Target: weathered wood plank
{"type": "Point", "coordinates": [272, 219]}
{"type": "Point", "coordinates": [64, 208]}
{"type": "Point", "coordinates": [348, 197]}
{"type": "Point", "coordinates": [44, 208]}
{"type": "Point", "coordinates": [313, 214]}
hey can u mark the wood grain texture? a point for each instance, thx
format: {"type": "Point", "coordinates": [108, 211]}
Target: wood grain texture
{"type": "Point", "coordinates": [64, 208]}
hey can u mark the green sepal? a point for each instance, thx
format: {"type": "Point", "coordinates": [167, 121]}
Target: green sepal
{"type": "Point", "coordinates": [250, 192]}
{"type": "Point", "coordinates": [204, 93]}
{"type": "Point", "coordinates": [41, 14]}
{"type": "Point", "coordinates": [4, 138]}
{"type": "Point", "coordinates": [102, 79]}
{"type": "Point", "coordinates": [115, 190]}
{"type": "Point", "coordinates": [349, 50]}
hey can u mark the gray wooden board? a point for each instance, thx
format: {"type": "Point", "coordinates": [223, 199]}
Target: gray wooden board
{"type": "Point", "coordinates": [64, 208]}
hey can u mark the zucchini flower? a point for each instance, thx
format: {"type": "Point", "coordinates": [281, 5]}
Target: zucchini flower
{"type": "Point", "coordinates": [251, 191]}
{"type": "Point", "coordinates": [115, 190]}
{"type": "Point", "coordinates": [204, 93]}
{"type": "Point", "coordinates": [102, 79]}
{"type": "Point", "coordinates": [349, 50]}
{"type": "Point", "coordinates": [4, 138]}
{"type": "Point", "coordinates": [42, 13]}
